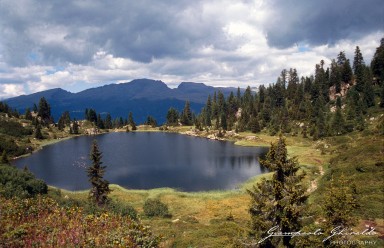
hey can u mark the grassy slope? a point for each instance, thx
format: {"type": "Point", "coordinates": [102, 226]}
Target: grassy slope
{"type": "Point", "coordinates": [204, 219]}
{"type": "Point", "coordinates": [216, 219]}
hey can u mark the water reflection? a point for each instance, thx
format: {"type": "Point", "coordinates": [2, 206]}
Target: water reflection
{"type": "Point", "coordinates": [148, 160]}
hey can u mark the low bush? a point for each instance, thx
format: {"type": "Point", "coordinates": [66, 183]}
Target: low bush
{"type": "Point", "coordinates": [154, 207]}
{"type": "Point", "coordinates": [122, 209]}
{"type": "Point", "coordinates": [19, 183]}
{"type": "Point", "coordinates": [13, 128]}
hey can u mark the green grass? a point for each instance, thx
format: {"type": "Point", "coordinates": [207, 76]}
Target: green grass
{"type": "Point", "coordinates": [219, 218]}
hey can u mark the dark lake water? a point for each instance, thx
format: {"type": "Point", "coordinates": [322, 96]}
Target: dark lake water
{"type": "Point", "coordinates": [148, 160]}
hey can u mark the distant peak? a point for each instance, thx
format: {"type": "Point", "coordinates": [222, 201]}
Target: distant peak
{"type": "Point", "coordinates": [190, 85]}
{"type": "Point", "coordinates": [147, 81]}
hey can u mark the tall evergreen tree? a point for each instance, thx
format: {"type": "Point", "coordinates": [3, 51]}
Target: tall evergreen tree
{"type": "Point", "coordinates": [28, 114]}
{"type": "Point", "coordinates": [339, 204]}
{"type": "Point", "coordinates": [108, 121]}
{"type": "Point", "coordinates": [172, 117]}
{"type": "Point", "coordinates": [92, 115]}
{"type": "Point", "coordinates": [278, 202]}
{"type": "Point", "coordinates": [186, 115]}
{"type": "Point", "coordinates": [100, 187]}
{"type": "Point", "coordinates": [377, 63]}
{"type": "Point", "coordinates": [44, 111]}
{"type": "Point", "coordinates": [38, 134]}
{"type": "Point", "coordinates": [131, 121]}
{"type": "Point", "coordinates": [337, 125]}
{"type": "Point", "coordinates": [75, 127]}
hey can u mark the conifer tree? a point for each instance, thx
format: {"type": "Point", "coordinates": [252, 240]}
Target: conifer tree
{"type": "Point", "coordinates": [278, 202]}
{"type": "Point", "coordinates": [92, 115]}
{"type": "Point", "coordinates": [38, 134]}
{"type": "Point", "coordinates": [108, 121]}
{"type": "Point", "coordinates": [337, 124]}
{"type": "Point", "coordinates": [100, 122]}
{"type": "Point", "coordinates": [100, 187]}
{"type": "Point", "coordinates": [44, 111]}
{"type": "Point", "coordinates": [377, 63]}
{"type": "Point", "coordinates": [339, 203]}
{"type": "Point", "coordinates": [186, 115]}
{"type": "Point", "coordinates": [131, 121]}
{"type": "Point", "coordinates": [28, 114]}
{"type": "Point", "coordinates": [75, 127]}
{"type": "Point", "coordinates": [172, 117]}
{"type": "Point", "coordinates": [254, 125]}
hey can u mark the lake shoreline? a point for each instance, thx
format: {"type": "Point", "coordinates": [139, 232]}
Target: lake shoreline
{"type": "Point", "coordinates": [242, 139]}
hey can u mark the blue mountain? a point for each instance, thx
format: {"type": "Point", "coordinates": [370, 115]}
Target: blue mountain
{"type": "Point", "coordinates": [142, 97]}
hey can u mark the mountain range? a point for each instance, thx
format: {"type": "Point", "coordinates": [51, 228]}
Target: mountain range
{"type": "Point", "coordinates": [142, 97]}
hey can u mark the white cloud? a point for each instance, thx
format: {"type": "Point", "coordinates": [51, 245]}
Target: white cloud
{"type": "Point", "coordinates": [221, 43]}
{"type": "Point", "coordinates": [10, 90]}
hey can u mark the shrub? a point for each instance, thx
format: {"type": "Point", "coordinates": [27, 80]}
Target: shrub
{"type": "Point", "coordinates": [9, 145]}
{"type": "Point", "coordinates": [17, 183]}
{"type": "Point", "coordinates": [122, 209]}
{"type": "Point", "coordinates": [13, 128]}
{"type": "Point", "coordinates": [154, 207]}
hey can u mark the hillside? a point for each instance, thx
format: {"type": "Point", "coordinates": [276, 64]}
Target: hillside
{"type": "Point", "coordinates": [142, 97]}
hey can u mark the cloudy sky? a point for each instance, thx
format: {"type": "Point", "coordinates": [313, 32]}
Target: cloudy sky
{"type": "Point", "coordinates": [78, 44]}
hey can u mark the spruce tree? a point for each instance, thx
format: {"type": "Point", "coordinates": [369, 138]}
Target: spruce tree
{"type": "Point", "coordinates": [278, 202]}
{"type": "Point", "coordinates": [254, 125]}
{"type": "Point", "coordinates": [108, 121]}
{"type": "Point", "coordinates": [186, 115]}
{"type": "Point", "coordinates": [339, 204]}
{"type": "Point", "coordinates": [38, 134]}
{"type": "Point", "coordinates": [75, 127]}
{"type": "Point", "coordinates": [131, 121]}
{"type": "Point", "coordinates": [100, 187]}
{"type": "Point", "coordinates": [377, 63]}
{"type": "Point", "coordinates": [172, 117]}
{"type": "Point", "coordinates": [337, 125]}
{"type": "Point", "coordinates": [28, 114]}
{"type": "Point", "coordinates": [44, 111]}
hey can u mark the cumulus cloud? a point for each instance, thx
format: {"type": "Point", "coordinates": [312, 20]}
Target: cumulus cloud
{"type": "Point", "coordinates": [78, 44]}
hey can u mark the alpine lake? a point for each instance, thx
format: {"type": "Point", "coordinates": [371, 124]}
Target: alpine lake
{"type": "Point", "coordinates": [147, 160]}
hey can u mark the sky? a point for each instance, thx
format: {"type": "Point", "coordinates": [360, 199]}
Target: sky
{"type": "Point", "coordinates": [80, 44]}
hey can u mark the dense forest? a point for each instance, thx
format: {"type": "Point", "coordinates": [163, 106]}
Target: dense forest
{"type": "Point", "coordinates": [334, 101]}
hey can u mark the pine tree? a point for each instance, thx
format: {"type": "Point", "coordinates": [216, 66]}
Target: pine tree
{"type": "Point", "coordinates": [278, 202]}
{"type": "Point", "coordinates": [100, 187]}
{"type": "Point", "coordinates": [172, 117]}
{"type": "Point", "coordinates": [254, 125]}
{"type": "Point", "coordinates": [28, 114]}
{"type": "Point", "coordinates": [38, 134]}
{"type": "Point", "coordinates": [60, 124]}
{"type": "Point", "coordinates": [75, 127]}
{"type": "Point", "coordinates": [44, 111]}
{"type": "Point", "coordinates": [108, 121]}
{"type": "Point", "coordinates": [377, 63]}
{"type": "Point", "coordinates": [339, 204]}
{"type": "Point", "coordinates": [186, 115]}
{"type": "Point", "coordinates": [131, 121]}
{"type": "Point", "coordinates": [337, 124]}
{"type": "Point", "coordinates": [92, 115]}
{"type": "Point", "coordinates": [358, 69]}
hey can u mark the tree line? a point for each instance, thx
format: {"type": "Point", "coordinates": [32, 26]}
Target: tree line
{"type": "Point", "coordinates": [333, 101]}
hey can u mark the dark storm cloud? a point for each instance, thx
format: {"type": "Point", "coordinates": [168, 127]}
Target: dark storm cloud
{"type": "Point", "coordinates": [73, 31]}
{"type": "Point", "coordinates": [322, 22]}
